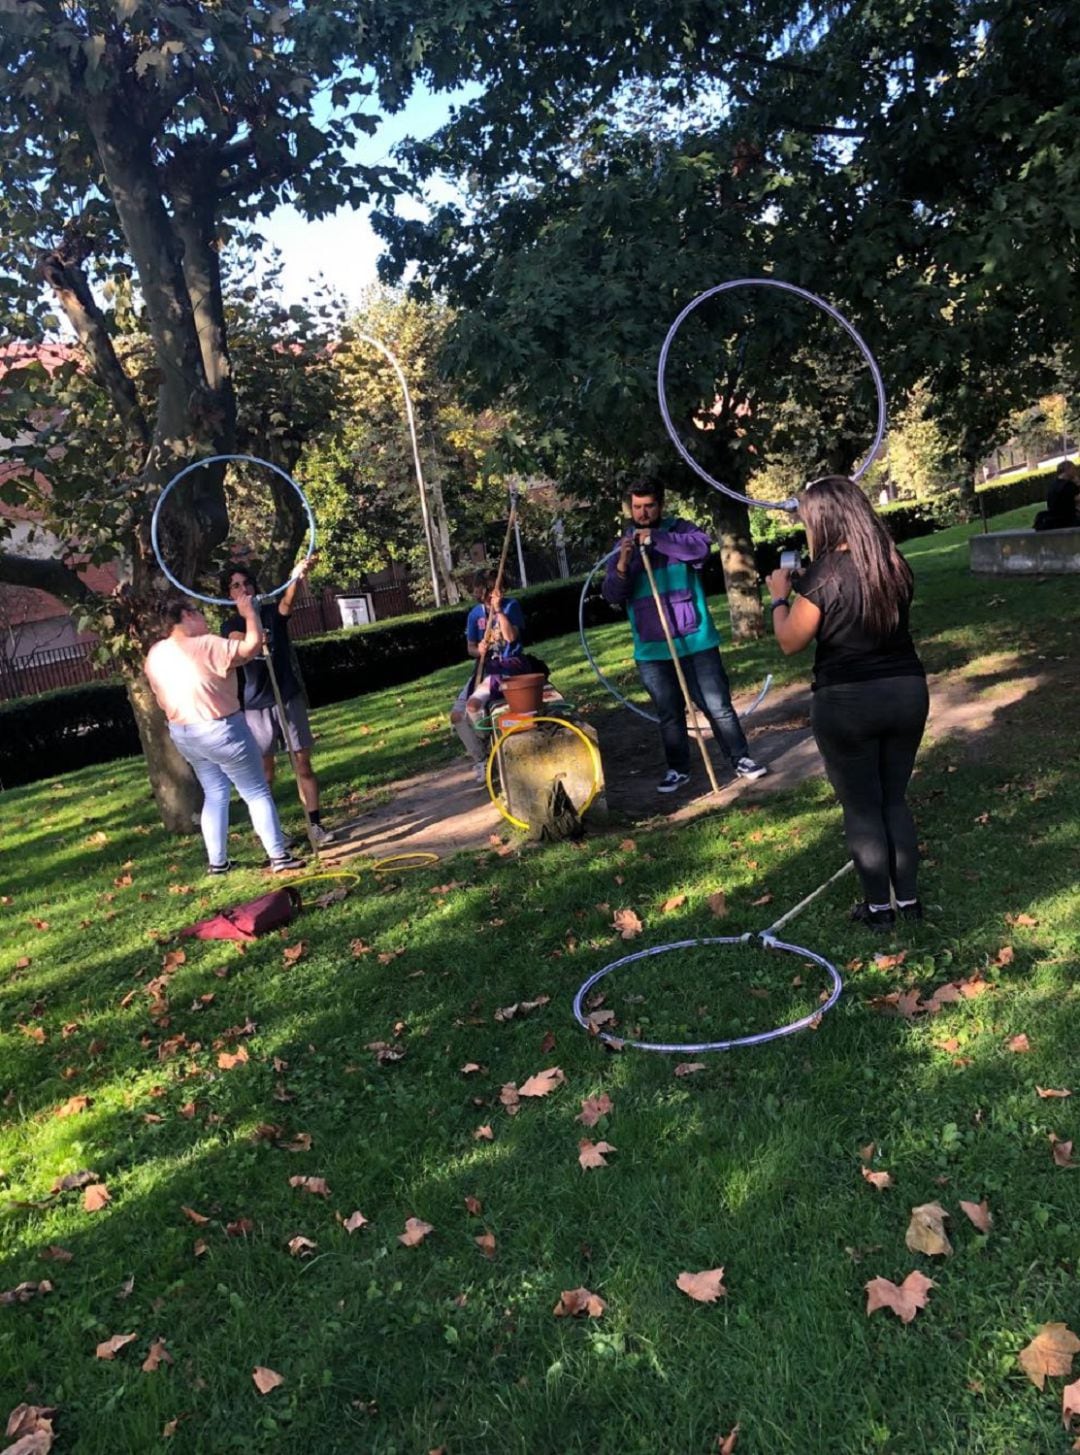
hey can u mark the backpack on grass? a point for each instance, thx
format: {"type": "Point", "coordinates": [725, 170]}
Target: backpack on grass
{"type": "Point", "coordinates": [248, 921]}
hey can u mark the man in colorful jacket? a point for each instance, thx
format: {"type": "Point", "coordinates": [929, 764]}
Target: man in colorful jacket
{"type": "Point", "coordinates": [677, 552]}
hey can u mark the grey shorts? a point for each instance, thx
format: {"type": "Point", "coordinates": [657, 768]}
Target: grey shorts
{"type": "Point", "coordinates": [263, 722]}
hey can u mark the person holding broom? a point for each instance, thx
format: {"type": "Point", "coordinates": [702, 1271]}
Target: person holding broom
{"type": "Point", "coordinates": [676, 644]}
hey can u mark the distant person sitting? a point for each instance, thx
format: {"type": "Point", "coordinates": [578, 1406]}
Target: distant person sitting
{"type": "Point", "coordinates": [1061, 512]}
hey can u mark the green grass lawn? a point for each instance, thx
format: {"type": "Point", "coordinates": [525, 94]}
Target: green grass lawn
{"type": "Point", "coordinates": [752, 1164]}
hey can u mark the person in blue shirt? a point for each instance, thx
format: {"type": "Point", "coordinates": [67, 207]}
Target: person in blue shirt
{"type": "Point", "coordinates": [505, 644]}
{"type": "Point", "coordinates": [678, 550]}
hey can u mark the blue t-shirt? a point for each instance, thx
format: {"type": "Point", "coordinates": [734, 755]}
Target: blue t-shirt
{"type": "Point", "coordinates": [476, 625]}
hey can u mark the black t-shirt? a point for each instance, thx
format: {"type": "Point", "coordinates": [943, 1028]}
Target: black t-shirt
{"type": "Point", "coordinates": [255, 688]}
{"type": "Point", "coordinates": [846, 651]}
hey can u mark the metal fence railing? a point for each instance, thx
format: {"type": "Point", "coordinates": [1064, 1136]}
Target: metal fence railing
{"type": "Point", "coordinates": [69, 666]}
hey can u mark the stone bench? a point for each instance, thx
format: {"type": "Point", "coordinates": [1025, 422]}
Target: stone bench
{"type": "Point", "coordinates": [1026, 552]}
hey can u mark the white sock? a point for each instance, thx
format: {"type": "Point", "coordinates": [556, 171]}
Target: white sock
{"type": "Point", "coordinates": [905, 903]}
{"type": "Point", "coordinates": [877, 908]}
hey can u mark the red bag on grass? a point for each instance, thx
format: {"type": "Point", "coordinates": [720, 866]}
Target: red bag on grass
{"type": "Point", "coordinates": [248, 921]}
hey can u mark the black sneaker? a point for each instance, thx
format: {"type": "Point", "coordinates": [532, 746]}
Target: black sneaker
{"type": "Point", "coordinates": [874, 919]}
{"type": "Point", "coordinates": [221, 868]}
{"type": "Point", "coordinates": [286, 864]}
{"type": "Point", "coordinates": [748, 769]}
{"type": "Point", "coordinates": [914, 910]}
{"type": "Point", "coordinates": [672, 780]}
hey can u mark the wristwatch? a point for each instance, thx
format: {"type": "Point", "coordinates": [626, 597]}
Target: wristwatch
{"type": "Point", "coordinates": [779, 601]}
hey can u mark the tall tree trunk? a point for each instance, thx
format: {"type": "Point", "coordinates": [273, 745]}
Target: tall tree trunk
{"type": "Point", "coordinates": [731, 521]}
{"type": "Point", "coordinates": [176, 789]}
{"type": "Point", "coordinates": [440, 530]}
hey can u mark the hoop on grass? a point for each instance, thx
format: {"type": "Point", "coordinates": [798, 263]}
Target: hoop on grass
{"type": "Point", "coordinates": [833, 313]}
{"type": "Point", "coordinates": [400, 863]}
{"type": "Point", "coordinates": [217, 460]}
{"type": "Point", "coordinates": [520, 727]}
{"type": "Point", "coordinates": [759, 1038]}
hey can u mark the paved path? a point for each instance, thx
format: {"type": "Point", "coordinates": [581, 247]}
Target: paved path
{"type": "Point", "coordinates": [446, 811]}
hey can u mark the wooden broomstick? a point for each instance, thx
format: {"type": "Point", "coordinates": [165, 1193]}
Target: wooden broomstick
{"type": "Point", "coordinates": [285, 733]}
{"type": "Point", "coordinates": [492, 617]}
{"type": "Point", "coordinates": [687, 699]}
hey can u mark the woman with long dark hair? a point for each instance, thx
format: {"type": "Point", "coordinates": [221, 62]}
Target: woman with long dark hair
{"type": "Point", "coordinates": [870, 700]}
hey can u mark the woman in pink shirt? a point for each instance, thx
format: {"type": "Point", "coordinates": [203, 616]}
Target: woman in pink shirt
{"type": "Point", "coordinates": [192, 674]}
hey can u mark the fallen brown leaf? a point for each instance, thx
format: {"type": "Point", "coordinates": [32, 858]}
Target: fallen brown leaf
{"type": "Point", "coordinates": [474, 1206]}
{"type": "Point", "coordinates": [1050, 1352]}
{"type": "Point", "coordinates": [300, 1142]}
{"type": "Point", "coordinates": [592, 1154]}
{"type": "Point", "coordinates": [486, 1243]}
{"type": "Point", "coordinates": [1018, 1043]}
{"type": "Point", "coordinates": [291, 953]}
{"type": "Point", "coordinates": [1061, 1151]}
{"type": "Point", "coordinates": [704, 1287]}
{"type": "Point", "coordinates": [157, 1356]}
{"type": "Point", "coordinates": [880, 1180]}
{"type": "Point", "coordinates": [354, 1222]}
{"type": "Point", "coordinates": [74, 1105]}
{"type": "Point", "coordinates": [926, 1231]}
{"type": "Point", "coordinates": [416, 1230]}
{"type": "Point", "coordinates": [717, 902]}
{"type": "Point", "coordinates": [301, 1247]}
{"type": "Point", "coordinates": [470, 1068]}
{"type": "Point", "coordinates": [725, 1444]}
{"type": "Point", "coordinates": [866, 1153]}
{"type": "Point", "coordinates": [979, 1213]}
{"type": "Point", "coordinates": [628, 846]}
{"type": "Point", "coordinates": [96, 1197]}
{"type": "Point", "coordinates": [597, 1019]}
{"type": "Point", "coordinates": [240, 1228]}
{"type": "Point", "coordinates": [109, 1348]}
{"type": "Point", "coordinates": [483, 1134]}
{"type": "Point", "coordinates": [228, 1060]}
{"type": "Point", "coordinates": [905, 1300]}
{"type": "Point", "coordinates": [1049, 1091]}
{"type": "Point", "coordinates": [675, 902]}
{"type": "Point", "coordinates": [627, 924]}
{"type": "Point", "coordinates": [1070, 1404]}
{"type": "Point", "coordinates": [55, 1254]}
{"type": "Point", "coordinates": [689, 1068]}
{"type": "Point", "coordinates": [1005, 955]}
{"type": "Point", "coordinates": [73, 1181]}
{"type": "Point", "coordinates": [266, 1379]}
{"type": "Point", "coordinates": [889, 962]}
{"type": "Point", "coordinates": [30, 1427]}
{"type": "Point", "coordinates": [593, 1108]}
{"type": "Point", "coordinates": [193, 1216]}
{"type": "Point", "coordinates": [543, 1082]}
{"type": "Point", "coordinates": [315, 1185]}
{"type": "Point", "coordinates": [1021, 921]}
{"type": "Point", "coordinates": [24, 1292]}
{"type": "Point", "coordinates": [575, 1301]}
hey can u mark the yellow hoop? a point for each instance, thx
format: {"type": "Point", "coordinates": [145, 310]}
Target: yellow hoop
{"type": "Point", "coordinates": [314, 878]}
{"type": "Point", "coordinates": [521, 727]}
{"type": "Point", "coordinates": [425, 856]}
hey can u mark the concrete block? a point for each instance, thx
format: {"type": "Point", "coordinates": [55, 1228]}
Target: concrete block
{"type": "Point", "coordinates": [1026, 552]}
{"type": "Point", "coordinates": [534, 761]}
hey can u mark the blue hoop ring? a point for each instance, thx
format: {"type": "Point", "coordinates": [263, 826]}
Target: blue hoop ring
{"type": "Point", "coordinates": [769, 941]}
{"type": "Point", "coordinates": [835, 314]}
{"type": "Point", "coordinates": [199, 465]}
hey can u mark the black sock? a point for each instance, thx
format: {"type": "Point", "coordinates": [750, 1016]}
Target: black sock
{"type": "Point", "coordinates": [315, 817]}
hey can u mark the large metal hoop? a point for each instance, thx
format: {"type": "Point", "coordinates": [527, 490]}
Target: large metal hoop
{"type": "Point", "coordinates": [768, 940]}
{"type": "Point", "coordinates": [217, 460]}
{"type": "Point", "coordinates": [835, 314]}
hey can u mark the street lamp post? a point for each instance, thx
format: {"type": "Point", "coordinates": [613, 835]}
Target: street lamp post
{"type": "Point", "coordinates": [375, 343]}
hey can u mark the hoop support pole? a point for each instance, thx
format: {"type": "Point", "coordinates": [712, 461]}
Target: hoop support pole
{"type": "Point", "coordinates": [798, 908]}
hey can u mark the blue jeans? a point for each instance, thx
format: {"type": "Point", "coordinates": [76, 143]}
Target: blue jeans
{"type": "Point", "coordinates": [708, 686]}
{"type": "Point", "coordinates": [223, 752]}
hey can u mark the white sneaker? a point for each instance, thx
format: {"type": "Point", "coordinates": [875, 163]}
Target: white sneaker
{"type": "Point", "coordinates": [318, 836]}
{"type": "Point", "coordinates": [748, 769]}
{"type": "Point", "coordinates": [672, 780]}
{"type": "Point", "coordinates": [480, 773]}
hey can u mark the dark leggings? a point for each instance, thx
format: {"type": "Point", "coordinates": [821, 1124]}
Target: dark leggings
{"type": "Point", "coordinates": [868, 734]}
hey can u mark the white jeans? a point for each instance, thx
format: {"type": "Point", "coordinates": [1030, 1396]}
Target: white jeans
{"type": "Point", "coordinates": [222, 753]}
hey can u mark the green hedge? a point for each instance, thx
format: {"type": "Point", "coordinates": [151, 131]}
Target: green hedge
{"type": "Point", "coordinates": [73, 727]}
{"type": "Point", "coordinates": [41, 737]}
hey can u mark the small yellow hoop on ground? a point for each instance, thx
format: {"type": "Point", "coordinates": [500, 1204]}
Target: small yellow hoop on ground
{"type": "Point", "coordinates": [524, 726]}
{"type": "Point", "coordinates": [314, 878]}
{"type": "Point", "coordinates": [400, 863]}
